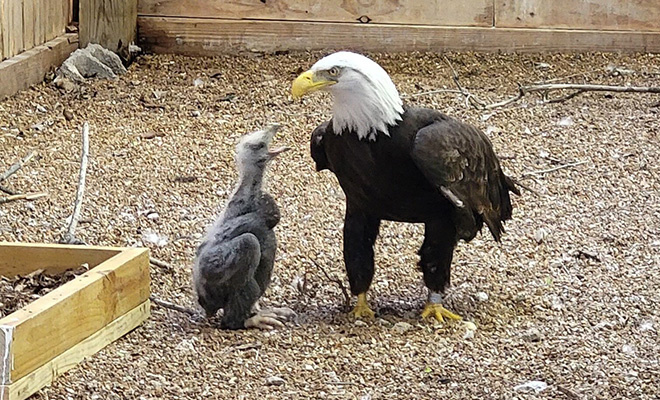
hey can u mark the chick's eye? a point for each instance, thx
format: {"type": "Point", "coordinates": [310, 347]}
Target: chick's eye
{"type": "Point", "coordinates": [334, 71]}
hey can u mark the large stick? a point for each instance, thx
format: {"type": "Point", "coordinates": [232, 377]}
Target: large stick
{"type": "Point", "coordinates": [69, 237]}
{"type": "Point", "coordinates": [17, 165]}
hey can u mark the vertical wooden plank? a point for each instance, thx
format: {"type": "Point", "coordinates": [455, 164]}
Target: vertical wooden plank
{"type": "Point", "coordinates": [110, 23]}
{"type": "Point", "coordinates": [2, 29]}
{"type": "Point", "coordinates": [12, 26]}
{"type": "Point", "coordinates": [40, 11]}
{"type": "Point", "coordinates": [28, 24]}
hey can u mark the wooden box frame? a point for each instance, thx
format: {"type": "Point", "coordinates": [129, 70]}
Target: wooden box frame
{"type": "Point", "coordinates": [55, 332]}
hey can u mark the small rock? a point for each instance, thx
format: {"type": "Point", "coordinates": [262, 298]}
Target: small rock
{"type": "Point", "coordinates": [153, 216]}
{"type": "Point", "coordinates": [469, 334]}
{"type": "Point", "coordinates": [148, 135]}
{"type": "Point", "coordinates": [41, 109]}
{"type": "Point", "coordinates": [492, 129]}
{"type": "Point", "coordinates": [275, 381]}
{"type": "Point", "coordinates": [68, 114]}
{"type": "Point", "coordinates": [469, 325]}
{"type": "Point", "coordinates": [531, 387]}
{"type": "Point", "coordinates": [198, 82]}
{"type": "Point", "coordinates": [646, 326]}
{"type": "Point", "coordinates": [566, 121]}
{"type": "Point", "coordinates": [481, 296]}
{"type": "Point", "coordinates": [542, 65]}
{"type": "Point", "coordinates": [195, 113]}
{"type": "Point", "coordinates": [532, 335]}
{"type": "Point", "coordinates": [155, 238]}
{"type": "Point", "coordinates": [359, 322]}
{"type": "Point", "coordinates": [627, 349]}
{"type": "Point", "coordinates": [402, 327]}
{"type": "Point", "coordinates": [540, 235]}
{"type": "Point", "coordinates": [383, 322]}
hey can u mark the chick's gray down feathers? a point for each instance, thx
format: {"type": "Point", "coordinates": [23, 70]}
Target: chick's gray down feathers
{"type": "Point", "coordinates": [234, 263]}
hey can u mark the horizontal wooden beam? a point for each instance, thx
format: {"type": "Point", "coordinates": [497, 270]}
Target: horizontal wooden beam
{"type": "Point", "coordinates": [429, 12]}
{"type": "Point", "coordinates": [30, 67]}
{"type": "Point", "coordinates": [206, 37]}
{"type": "Point", "coordinates": [53, 258]}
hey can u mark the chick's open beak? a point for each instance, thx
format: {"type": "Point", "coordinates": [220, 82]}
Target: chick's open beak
{"type": "Point", "coordinates": [308, 82]}
{"type": "Point", "coordinates": [272, 153]}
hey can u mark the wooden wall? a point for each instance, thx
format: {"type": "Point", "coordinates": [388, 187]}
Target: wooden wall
{"type": "Point", "coordinates": [25, 24]}
{"type": "Point", "coordinates": [202, 27]}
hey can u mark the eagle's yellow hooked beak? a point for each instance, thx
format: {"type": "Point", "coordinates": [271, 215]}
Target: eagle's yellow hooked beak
{"type": "Point", "coordinates": [308, 82]}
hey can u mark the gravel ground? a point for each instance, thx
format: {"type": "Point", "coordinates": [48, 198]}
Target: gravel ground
{"type": "Point", "coordinates": [569, 298]}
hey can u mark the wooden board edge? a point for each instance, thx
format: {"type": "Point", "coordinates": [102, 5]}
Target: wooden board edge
{"type": "Point", "coordinates": [60, 246]}
{"type": "Point", "coordinates": [99, 283]}
{"type": "Point", "coordinates": [46, 374]}
{"type": "Point", "coordinates": [6, 339]}
{"type": "Point", "coordinates": [23, 258]}
{"type": "Point", "coordinates": [207, 37]}
{"type": "Point", "coordinates": [30, 67]}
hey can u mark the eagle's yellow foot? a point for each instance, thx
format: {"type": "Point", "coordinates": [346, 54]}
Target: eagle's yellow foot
{"type": "Point", "coordinates": [362, 309]}
{"type": "Point", "coordinates": [438, 312]}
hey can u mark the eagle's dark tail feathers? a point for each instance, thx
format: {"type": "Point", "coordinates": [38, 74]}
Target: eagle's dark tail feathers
{"type": "Point", "coordinates": [494, 219]}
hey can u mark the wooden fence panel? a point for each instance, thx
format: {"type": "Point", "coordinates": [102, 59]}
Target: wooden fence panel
{"type": "Point", "coordinates": [625, 15]}
{"type": "Point", "coordinates": [431, 12]}
{"type": "Point", "coordinates": [110, 23]}
{"type": "Point", "coordinates": [25, 24]}
{"type": "Point", "coordinates": [12, 26]}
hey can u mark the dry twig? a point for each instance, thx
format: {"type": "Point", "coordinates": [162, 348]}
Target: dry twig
{"type": "Point", "coordinates": [17, 165]}
{"type": "Point", "coordinates": [469, 97]}
{"type": "Point", "coordinates": [339, 282]}
{"type": "Point", "coordinates": [69, 237]}
{"type": "Point", "coordinates": [568, 393]}
{"type": "Point", "coordinates": [159, 263]}
{"type": "Point", "coordinates": [172, 306]}
{"type": "Point", "coordinates": [436, 91]}
{"type": "Point", "coordinates": [27, 196]}
{"type": "Point", "coordinates": [545, 88]}
{"type": "Point", "coordinates": [557, 168]}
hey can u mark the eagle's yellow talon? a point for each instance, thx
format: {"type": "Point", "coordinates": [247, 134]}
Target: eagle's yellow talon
{"type": "Point", "coordinates": [362, 309]}
{"type": "Point", "coordinates": [438, 312]}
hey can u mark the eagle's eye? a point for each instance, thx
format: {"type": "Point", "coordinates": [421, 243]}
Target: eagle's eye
{"type": "Point", "coordinates": [334, 71]}
{"type": "Point", "coordinates": [257, 146]}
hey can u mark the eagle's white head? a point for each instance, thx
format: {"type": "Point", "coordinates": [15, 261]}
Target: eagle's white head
{"type": "Point", "coordinates": [365, 98]}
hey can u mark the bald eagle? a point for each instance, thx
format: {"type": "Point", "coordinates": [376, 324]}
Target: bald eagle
{"type": "Point", "coordinates": [402, 163]}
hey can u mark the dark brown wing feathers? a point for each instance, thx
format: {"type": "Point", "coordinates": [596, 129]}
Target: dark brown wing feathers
{"type": "Point", "coordinates": [460, 158]}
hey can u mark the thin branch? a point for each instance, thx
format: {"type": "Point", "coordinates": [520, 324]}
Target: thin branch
{"type": "Point", "coordinates": [159, 263]}
{"type": "Point", "coordinates": [172, 306]}
{"type": "Point", "coordinates": [523, 90]}
{"type": "Point", "coordinates": [590, 88]}
{"type": "Point", "coordinates": [545, 171]}
{"type": "Point", "coordinates": [469, 97]}
{"type": "Point", "coordinates": [568, 393]}
{"type": "Point", "coordinates": [17, 165]}
{"type": "Point", "coordinates": [27, 196]}
{"type": "Point", "coordinates": [420, 94]}
{"type": "Point", "coordinates": [529, 189]}
{"type": "Point", "coordinates": [69, 236]}
{"type": "Point", "coordinates": [347, 297]}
